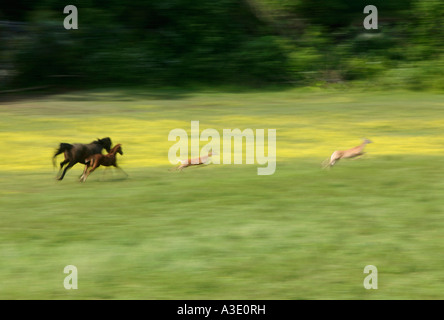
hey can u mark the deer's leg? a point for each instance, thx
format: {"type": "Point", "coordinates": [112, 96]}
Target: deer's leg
{"type": "Point", "coordinates": [358, 156]}
{"type": "Point", "coordinates": [324, 163]}
{"type": "Point", "coordinates": [333, 159]}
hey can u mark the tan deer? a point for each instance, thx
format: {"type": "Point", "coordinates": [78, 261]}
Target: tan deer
{"type": "Point", "coordinates": [194, 161]}
{"type": "Point", "coordinates": [354, 152]}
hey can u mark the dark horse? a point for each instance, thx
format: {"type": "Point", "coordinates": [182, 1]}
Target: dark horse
{"type": "Point", "coordinates": [80, 152]}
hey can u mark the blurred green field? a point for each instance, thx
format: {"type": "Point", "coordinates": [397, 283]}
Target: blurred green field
{"type": "Point", "coordinates": [222, 231]}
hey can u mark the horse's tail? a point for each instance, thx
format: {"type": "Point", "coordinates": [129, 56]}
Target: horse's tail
{"type": "Point", "coordinates": [62, 148]}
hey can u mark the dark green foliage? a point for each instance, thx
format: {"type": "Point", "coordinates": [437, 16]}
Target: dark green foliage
{"type": "Point", "coordinates": [168, 42]}
{"type": "Point", "coordinates": [342, 13]}
{"type": "Point", "coordinates": [249, 42]}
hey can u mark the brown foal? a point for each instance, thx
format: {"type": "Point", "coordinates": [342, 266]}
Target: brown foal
{"type": "Point", "coordinates": [97, 160]}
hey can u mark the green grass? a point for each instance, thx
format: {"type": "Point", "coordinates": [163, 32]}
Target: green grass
{"type": "Point", "coordinates": [222, 231]}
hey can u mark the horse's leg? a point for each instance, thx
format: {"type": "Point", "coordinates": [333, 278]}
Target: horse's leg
{"type": "Point", "coordinates": [88, 173]}
{"type": "Point", "coordinates": [63, 163]}
{"type": "Point", "coordinates": [104, 173]}
{"type": "Point", "coordinates": [61, 166]}
{"type": "Point", "coordinates": [84, 172]}
{"type": "Point", "coordinates": [94, 166]}
{"type": "Point", "coordinates": [116, 166]}
{"type": "Point", "coordinates": [89, 163]}
{"type": "Point", "coordinates": [70, 165]}
{"type": "Point", "coordinates": [84, 175]}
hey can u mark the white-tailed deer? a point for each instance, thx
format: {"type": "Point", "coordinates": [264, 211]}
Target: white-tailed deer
{"type": "Point", "coordinates": [194, 161]}
{"type": "Point", "coordinates": [354, 152]}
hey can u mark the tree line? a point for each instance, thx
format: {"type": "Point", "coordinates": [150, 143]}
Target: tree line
{"type": "Point", "coordinates": [248, 42]}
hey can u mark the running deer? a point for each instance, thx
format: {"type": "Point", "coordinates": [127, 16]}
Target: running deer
{"type": "Point", "coordinates": [97, 160]}
{"type": "Point", "coordinates": [346, 154]}
{"type": "Point", "coordinates": [194, 161]}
